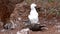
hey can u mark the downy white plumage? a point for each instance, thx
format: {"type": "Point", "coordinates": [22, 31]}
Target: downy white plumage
{"type": "Point", "coordinates": [33, 17]}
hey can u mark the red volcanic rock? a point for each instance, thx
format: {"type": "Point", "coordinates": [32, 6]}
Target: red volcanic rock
{"type": "Point", "coordinates": [6, 9]}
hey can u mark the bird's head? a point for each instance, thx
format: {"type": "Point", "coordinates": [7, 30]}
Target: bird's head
{"type": "Point", "coordinates": [33, 5]}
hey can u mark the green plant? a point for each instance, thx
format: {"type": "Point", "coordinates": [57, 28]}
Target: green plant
{"type": "Point", "coordinates": [50, 0]}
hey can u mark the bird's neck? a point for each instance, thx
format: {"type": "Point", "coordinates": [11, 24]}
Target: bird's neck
{"type": "Point", "coordinates": [33, 9]}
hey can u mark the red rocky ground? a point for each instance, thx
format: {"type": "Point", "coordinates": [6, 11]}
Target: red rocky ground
{"type": "Point", "coordinates": [49, 14]}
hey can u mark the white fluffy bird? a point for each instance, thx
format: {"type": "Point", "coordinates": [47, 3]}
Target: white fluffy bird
{"type": "Point", "coordinates": [33, 17]}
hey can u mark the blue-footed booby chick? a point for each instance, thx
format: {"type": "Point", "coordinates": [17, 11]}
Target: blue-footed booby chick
{"type": "Point", "coordinates": [33, 17]}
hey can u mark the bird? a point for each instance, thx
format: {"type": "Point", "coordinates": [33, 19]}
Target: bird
{"type": "Point", "coordinates": [36, 27]}
{"type": "Point", "coordinates": [33, 22]}
{"type": "Point", "coordinates": [33, 16]}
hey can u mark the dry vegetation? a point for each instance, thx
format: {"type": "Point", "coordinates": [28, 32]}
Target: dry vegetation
{"type": "Point", "coordinates": [49, 14]}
